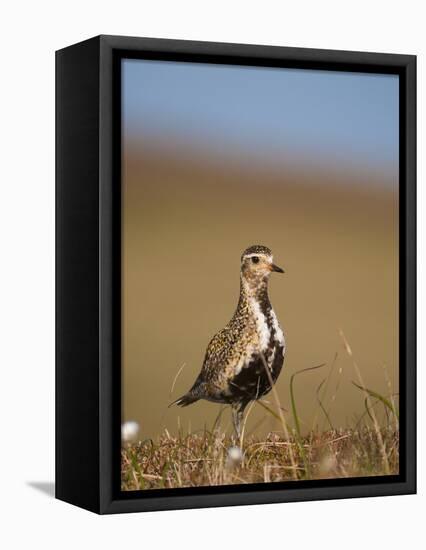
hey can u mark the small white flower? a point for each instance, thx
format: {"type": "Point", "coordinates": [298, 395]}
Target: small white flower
{"type": "Point", "coordinates": [129, 431]}
{"type": "Point", "coordinates": [235, 455]}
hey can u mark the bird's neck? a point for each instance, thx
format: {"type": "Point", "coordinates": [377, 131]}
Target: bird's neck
{"type": "Point", "coordinates": [254, 289]}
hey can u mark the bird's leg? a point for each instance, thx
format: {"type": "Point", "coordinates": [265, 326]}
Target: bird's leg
{"type": "Point", "coordinates": [237, 416]}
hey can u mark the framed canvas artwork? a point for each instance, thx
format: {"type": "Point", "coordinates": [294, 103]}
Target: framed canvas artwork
{"type": "Point", "coordinates": [235, 274]}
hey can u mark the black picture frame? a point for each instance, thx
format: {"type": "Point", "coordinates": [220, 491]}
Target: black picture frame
{"type": "Point", "coordinates": [88, 239]}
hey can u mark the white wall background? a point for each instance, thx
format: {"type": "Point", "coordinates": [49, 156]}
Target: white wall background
{"type": "Point", "coordinates": [30, 32]}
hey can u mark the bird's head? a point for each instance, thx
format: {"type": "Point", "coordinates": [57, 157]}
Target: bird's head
{"type": "Point", "coordinates": [257, 263]}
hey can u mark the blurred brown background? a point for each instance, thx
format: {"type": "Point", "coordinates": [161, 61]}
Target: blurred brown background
{"type": "Point", "coordinates": [186, 220]}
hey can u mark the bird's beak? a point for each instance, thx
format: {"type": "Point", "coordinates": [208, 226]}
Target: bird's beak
{"type": "Point", "coordinates": [274, 267]}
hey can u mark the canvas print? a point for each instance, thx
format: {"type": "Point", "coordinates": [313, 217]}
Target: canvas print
{"type": "Point", "coordinates": [260, 254]}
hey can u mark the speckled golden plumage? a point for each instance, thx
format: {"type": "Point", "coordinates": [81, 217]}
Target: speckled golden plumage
{"type": "Point", "coordinates": [235, 366]}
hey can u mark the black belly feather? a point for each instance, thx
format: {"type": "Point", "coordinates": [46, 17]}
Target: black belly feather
{"type": "Point", "coordinates": [252, 382]}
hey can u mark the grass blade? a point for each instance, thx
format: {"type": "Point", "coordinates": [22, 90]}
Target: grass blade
{"type": "Point", "coordinates": [324, 410]}
{"type": "Point", "coordinates": [380, 397]}
{"type": "Point", "coordinates": [296, 419]}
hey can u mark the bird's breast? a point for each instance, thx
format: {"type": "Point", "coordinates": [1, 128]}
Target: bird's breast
{"type": "Point", "coordinates": [266, 326]}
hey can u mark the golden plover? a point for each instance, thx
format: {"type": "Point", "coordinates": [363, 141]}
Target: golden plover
{"type": "Point", "coordinates": [237, 358]}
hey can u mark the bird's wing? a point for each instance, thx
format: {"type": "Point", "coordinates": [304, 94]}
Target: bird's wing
{"type": "Point", "coordinates": [219, 355]}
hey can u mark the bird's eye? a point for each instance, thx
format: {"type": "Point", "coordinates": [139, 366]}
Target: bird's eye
{"type": "Point", "coordinates": [255, 260]}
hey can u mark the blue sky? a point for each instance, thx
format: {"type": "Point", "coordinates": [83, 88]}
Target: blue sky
{"type": "Point", "coordinates": [318, 116]}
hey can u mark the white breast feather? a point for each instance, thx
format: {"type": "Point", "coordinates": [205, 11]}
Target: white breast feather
{"type": "Point", "coordinates": [262, 328]}
{"type": "Point", "coordinates": [279, 336]}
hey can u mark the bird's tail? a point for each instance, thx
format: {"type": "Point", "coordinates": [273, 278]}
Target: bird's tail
{"type": "Point", "coordinates": [185, 400]}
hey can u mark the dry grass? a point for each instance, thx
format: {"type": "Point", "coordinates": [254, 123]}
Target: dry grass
{"type": "Point", "coordinates": [205, 459]}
